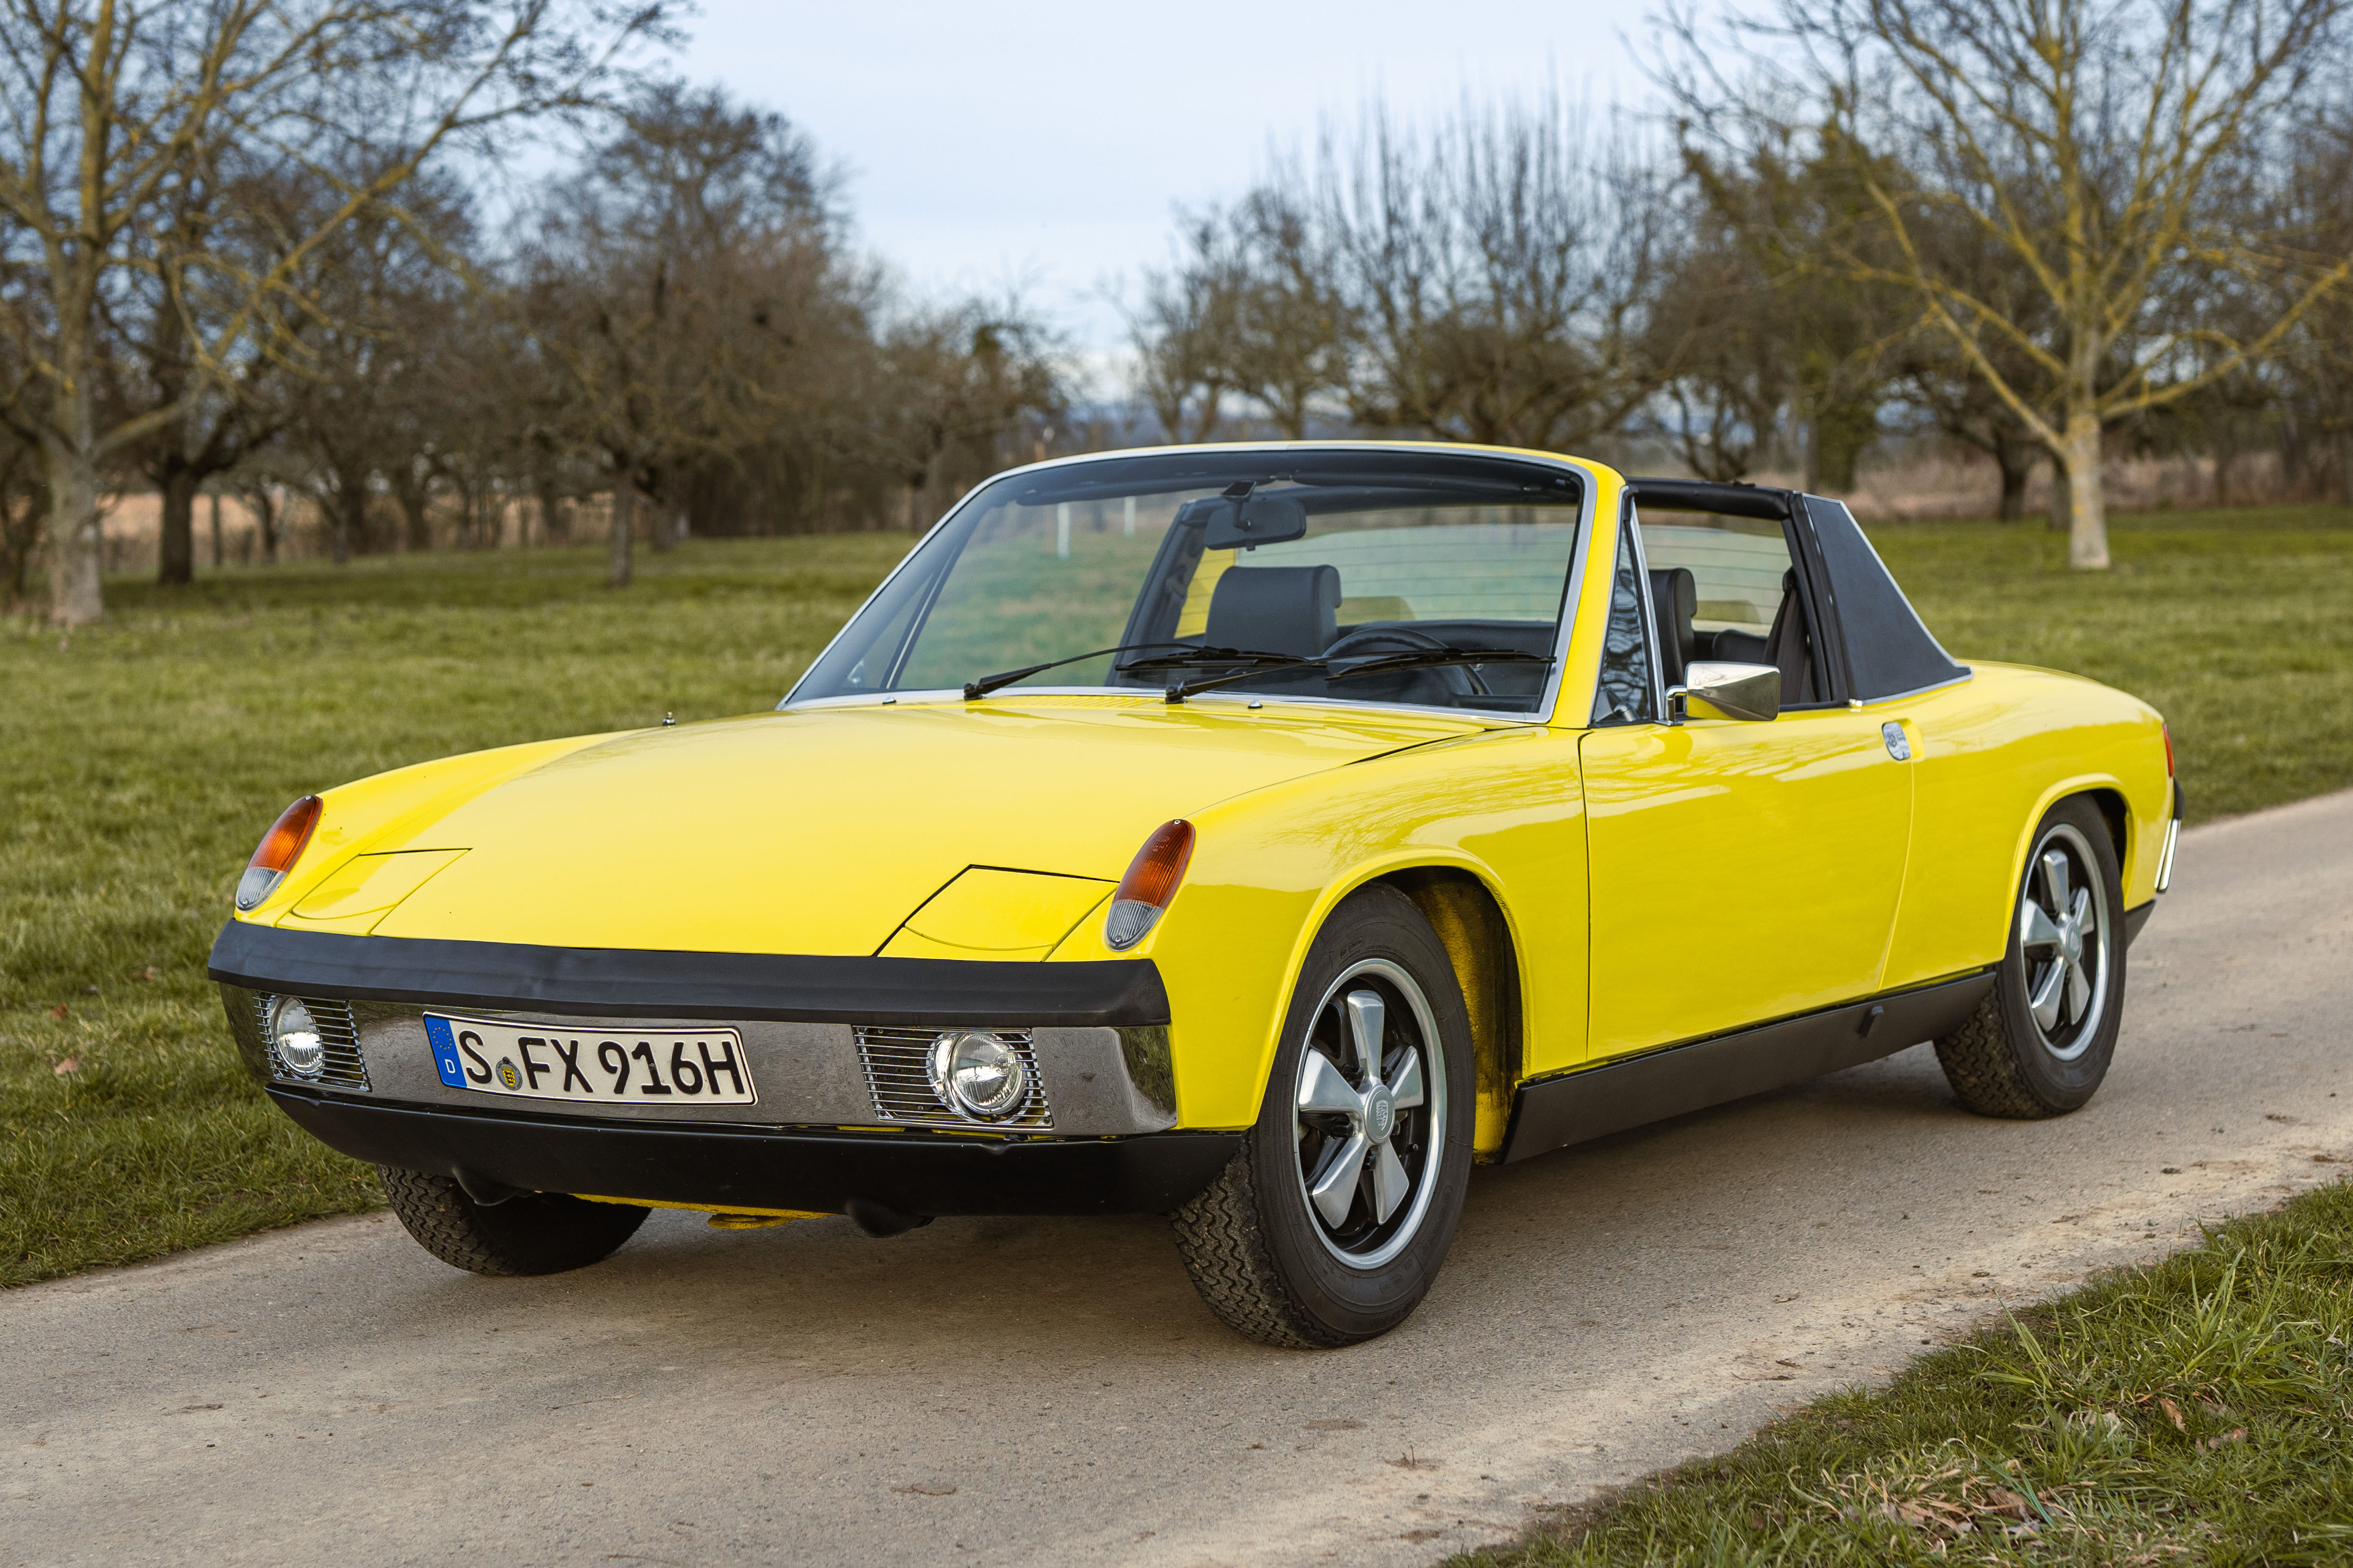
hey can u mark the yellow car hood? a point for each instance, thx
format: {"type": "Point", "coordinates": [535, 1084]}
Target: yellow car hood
{"type": "Point", "coordinates": [819, 831]}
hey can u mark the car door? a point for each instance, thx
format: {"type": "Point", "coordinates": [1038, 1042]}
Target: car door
{"type": "Point", "coordinates": [1739, 871]}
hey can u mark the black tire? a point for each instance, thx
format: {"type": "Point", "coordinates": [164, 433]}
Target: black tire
{"type": "Point", "coordinates": [1267, 1262]}
{"type": "Point", "coordinates": [2007, 1061]}
{"type": "Point", "coordinates": [531, 1232]}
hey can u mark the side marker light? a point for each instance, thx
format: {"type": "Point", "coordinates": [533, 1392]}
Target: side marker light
{"type": "Point", "coordinates": [280, 848]}
{"type": "Point", "coordinates": [1145, 893]}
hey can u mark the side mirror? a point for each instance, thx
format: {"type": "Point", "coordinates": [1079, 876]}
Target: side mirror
{"type": "Point", "coordinates": [1714, 689]}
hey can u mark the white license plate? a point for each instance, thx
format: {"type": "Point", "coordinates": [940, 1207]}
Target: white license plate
{"type": "Point", "coordinates": [609, 1067]}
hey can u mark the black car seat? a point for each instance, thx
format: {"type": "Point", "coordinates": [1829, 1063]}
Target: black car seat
{"type": "Point", "coordinates": [1674, 600]}
{"type": "Point", "coordinates": [1786, 645]}
{"type": "Point", "coordinates": [1275, 609]}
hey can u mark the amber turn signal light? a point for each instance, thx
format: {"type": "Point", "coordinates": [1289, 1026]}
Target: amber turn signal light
{"type": "Point", "coordinates": [1150, 883]}
{"type": "Point", "coordinates": [280, 848]}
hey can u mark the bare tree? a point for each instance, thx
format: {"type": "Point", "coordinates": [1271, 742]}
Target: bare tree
{"type": "Point", "coordinates": [2106, 149]}
{"type": "Point", "coordinates": [670, 279]}
{"type": "Point", "coordinates": [1502, 270]}
{"type": "Point", "coordinates": [1184, 333]}
{"type": "Point", "coordinates": [114, 104]}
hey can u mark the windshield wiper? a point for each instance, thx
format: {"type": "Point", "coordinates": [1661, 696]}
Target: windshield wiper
{"type": "Point", "coordinates": [1376, 664]}
{"type": "Point", "coordinates": [1194, 658]}
{"type": "Point", "coordinates": [973, 690]}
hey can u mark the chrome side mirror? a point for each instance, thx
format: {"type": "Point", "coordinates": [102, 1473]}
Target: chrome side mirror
{"type": "Point", "coordinates": [1719, 689]}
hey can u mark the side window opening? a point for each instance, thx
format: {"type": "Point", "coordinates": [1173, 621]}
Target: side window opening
{"type": "Point", "coordinates": [1623, 694]}
{"type": "Point", "coordinates": [1726, 588]}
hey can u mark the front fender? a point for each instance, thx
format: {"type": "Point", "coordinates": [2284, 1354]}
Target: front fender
{"type": "Point", "coordinates": [1504, 807]}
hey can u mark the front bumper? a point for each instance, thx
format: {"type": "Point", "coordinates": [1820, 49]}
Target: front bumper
{"type": "Point", "coordinates": [831, 1127]}
{"type": "Point", "coordinates": [751, 1167]}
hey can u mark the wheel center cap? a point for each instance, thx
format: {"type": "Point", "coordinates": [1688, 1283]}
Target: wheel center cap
{"type": "Point", "coordinates": [1380, 1115]}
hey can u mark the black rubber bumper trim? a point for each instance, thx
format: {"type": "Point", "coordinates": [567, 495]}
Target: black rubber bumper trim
{"type": "Point", "coordinates": [2137, 918]}
{"type": "Point", "coordinates": [636, 982]}
{"type": "Point", "coordinates": [768, 1168]}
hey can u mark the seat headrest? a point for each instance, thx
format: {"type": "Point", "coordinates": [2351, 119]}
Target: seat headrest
{"type": "Point", "coordinates": [1275, 609]}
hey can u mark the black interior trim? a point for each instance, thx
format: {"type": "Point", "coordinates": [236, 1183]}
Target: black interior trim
{"type": "Point", "coordinates": [1711, 495]}
{"type": "Point", "coordinates": [1593, 1102]}
{"type": "Point", "coordinates": [632, 983]}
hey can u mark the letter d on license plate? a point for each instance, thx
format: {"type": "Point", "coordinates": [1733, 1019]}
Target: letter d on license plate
{"type": "Point", "coordinates": [609, 1067]}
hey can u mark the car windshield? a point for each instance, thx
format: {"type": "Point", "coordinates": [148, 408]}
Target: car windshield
{"type": "Point", "coordinates": [1318, 563]}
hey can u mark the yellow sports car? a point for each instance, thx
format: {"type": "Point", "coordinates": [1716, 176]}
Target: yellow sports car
{"type": "Point", "coordinates": [1259, 835]}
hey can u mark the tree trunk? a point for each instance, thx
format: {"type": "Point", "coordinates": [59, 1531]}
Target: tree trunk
{"type": "Point", "coordinates": [2016, 467]}
{"type": "Point", "coordinates": [77, 542]}
{"type": "Point", "coordinates": [351, 521]}
{"type": "Point", "coordinates": [665, 531]}
{"type": "Point", "coordinates": [175, 544]}
{"type": "Point", "coordinates": [2062, 509]}
{"type": "Point", "coordinates": [625, 523]}
{"type": "Point", "coordinates": [216, 532]}
{"type": "Point", "coordinates": [265, 515]}
{"type": "Point", "coordinates": [2088, 517]}
{"type": "Point", "coordinates": [415, 510]}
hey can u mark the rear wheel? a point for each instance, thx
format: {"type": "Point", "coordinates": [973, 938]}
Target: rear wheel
{"type": "Point", "coordinates": [531, 1232]}
{"type": "Point", "coordinates": [1329, 1226]}
{"type": "Point", "coordinates": [2041, 1042]}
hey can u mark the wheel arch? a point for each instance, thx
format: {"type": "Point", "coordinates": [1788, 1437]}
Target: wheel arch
{"type": "Point", "coordinates": [2108, 797]}
{"type": "Point", "coordinates": [1471, 926]}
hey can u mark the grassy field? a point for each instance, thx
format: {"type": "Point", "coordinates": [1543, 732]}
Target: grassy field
{"type": "Point", "coordinates": [141, 760]}
{"type": "Point", "coordinates": [2199, 1411]}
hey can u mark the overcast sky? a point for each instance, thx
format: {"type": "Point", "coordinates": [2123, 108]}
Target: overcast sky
{"type": "Point", "coordinates": [1048, 142]}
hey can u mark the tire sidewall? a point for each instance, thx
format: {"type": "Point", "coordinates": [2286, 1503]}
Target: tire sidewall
{"type": "Point", "coordinates": [1351, 1303]}
{"type": "Point", "coordinates": [2065, 1085]}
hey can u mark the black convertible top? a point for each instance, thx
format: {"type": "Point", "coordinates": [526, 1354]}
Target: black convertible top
{"type": "Point", "coordinates": [1874, 642]}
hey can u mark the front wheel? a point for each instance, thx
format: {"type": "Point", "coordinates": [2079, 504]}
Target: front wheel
{"type": "Point", "coordinates": [1329, 1226]}
{"type": "Point", "coordinates": [2039, 1042]}
{"type": "Point", "coordinates": [531, 1232]}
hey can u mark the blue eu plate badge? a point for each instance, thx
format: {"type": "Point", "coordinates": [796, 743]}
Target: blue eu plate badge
{"type": "Point", "coordinates": [445, 1051]}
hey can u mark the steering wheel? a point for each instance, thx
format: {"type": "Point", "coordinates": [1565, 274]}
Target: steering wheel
{"type": "Point", "coordinates": [1457, 680]}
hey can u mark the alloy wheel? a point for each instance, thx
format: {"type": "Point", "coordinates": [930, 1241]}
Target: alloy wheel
{"type": "Point", "coordinates": [2063, 936]}
{"type": "Point", "coordinates": [1370, 1113]}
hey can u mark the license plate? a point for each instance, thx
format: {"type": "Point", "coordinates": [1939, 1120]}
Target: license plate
{"type": "Point", "coordinates": [609, 1067]}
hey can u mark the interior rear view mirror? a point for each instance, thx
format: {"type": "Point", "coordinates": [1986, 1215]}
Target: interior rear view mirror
{"type": "Point", "coordinates": [1720, 688]}
{"type": "Point", "coordinates": [1255, 520]}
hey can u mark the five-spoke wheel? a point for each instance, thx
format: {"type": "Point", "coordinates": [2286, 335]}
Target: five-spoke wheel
{"type": "Point", "coordinates": [1371, 1112]}
{"type": "Point", "coordinates": [2063, 921]}
{"type": "Point", "coordinates": [2040, 1042]}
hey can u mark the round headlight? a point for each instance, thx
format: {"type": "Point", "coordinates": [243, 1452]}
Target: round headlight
{"type": "Point", "coordinates": [294, 1035]}
{"type": "Point", "coordinates": [978, 1074]}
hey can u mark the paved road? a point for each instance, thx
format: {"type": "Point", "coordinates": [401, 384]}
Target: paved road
{"type": "Point", "coordinates": [1052, 1392]}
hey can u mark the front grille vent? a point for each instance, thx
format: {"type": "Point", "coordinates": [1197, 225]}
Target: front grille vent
{"type": "Point", "coordinates": [338, 1031]}
{"type": "Point", "coordinates": [899, 1077]}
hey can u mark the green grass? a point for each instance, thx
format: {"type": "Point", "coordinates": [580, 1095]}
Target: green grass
{"type": "Point", "coordinates": [2197, 1411]}
{"type": "Point", "coordinates": [141, 760]}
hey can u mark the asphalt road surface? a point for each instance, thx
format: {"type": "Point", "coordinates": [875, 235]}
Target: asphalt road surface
{"type": "Point", "coordinates": [1050, 1391]}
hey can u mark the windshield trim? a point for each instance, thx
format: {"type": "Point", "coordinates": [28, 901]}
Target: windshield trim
{"type": "Point", "coordinates": [1547, 702]}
